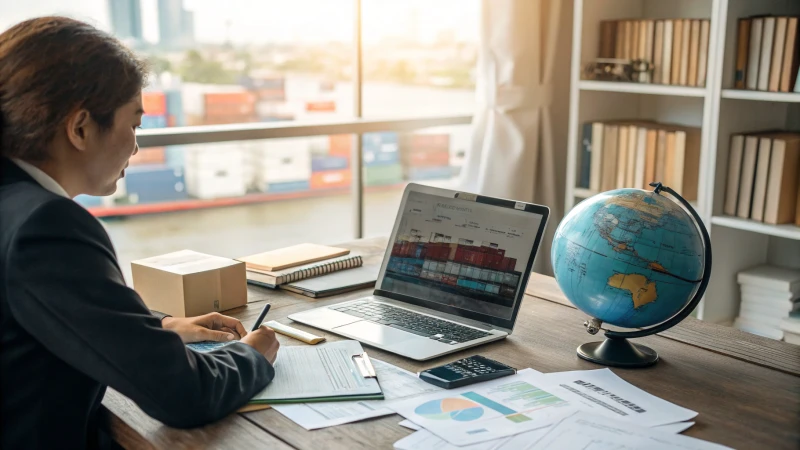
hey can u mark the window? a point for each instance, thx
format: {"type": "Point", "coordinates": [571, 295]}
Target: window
{"type": "Point", "coordinates": [270, 63]}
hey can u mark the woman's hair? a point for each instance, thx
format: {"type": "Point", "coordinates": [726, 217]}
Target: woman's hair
{"type": "Point", "coordinates": [49, 68]}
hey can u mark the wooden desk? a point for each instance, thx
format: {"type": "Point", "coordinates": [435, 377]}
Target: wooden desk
{"type": "Point", "coordinates": [745, 388]}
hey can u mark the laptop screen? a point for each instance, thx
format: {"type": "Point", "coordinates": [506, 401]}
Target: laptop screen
{"type": "Point", "coordinates": [471, 256]}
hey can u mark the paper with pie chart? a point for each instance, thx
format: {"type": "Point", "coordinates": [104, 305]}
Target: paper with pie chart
{"type": "Point", "coordinates": [491, 410]}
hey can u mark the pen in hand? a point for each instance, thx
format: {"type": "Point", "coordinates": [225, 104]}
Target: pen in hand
{"type": "Point", "coordinates": [261, 317]}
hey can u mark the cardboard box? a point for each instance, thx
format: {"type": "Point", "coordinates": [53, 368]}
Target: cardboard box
{"type": "Point", "coordinates": [188, 283]}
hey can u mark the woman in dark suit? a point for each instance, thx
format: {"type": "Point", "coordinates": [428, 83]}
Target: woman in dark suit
{"type": "Point", "coordinates": [70, 103]}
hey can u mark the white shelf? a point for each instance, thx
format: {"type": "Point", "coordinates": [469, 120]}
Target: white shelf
{"type": "Point", "coordinates": [785, 231]}
{"type": "Point", "coordinates": [740, 94]}
{"type": "Point", "coordinates": [641, 88]}
{"type": "Point", "coordinates": [583, 193]}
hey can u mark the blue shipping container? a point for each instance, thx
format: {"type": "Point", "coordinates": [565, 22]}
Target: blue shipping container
{"type": "Point", "coordinates": [428, 173]}
{"type": "Point", "coordinates": [175, 107]}
{"type": "Point", "coordinates": [288, 186]}
{"type": "Point", "coordinates": [174, 156]}
{"type": "Point", "coordinates": [155, 183]}
{"type": "Point", "coordinates": [323, 163]}
{"type": "Point", "coordinates": [154, 121]}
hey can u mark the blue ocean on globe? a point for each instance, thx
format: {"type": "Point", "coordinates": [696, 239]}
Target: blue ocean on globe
{"type": "Point", "coordinates": [629, 257]}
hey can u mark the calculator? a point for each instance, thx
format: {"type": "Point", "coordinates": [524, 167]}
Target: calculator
{"type": "Point", "coordinates": [466, 371]}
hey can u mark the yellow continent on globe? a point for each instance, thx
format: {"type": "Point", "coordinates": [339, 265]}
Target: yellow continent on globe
{"type": "Point", "coordinates": [642, 291]}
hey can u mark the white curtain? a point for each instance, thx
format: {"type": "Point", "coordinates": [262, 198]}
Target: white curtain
{"type": "Point", "coordinates": [512, 152]}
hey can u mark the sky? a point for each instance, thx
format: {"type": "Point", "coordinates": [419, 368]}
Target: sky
{"type": "Point", "coordinates": [264, 21]}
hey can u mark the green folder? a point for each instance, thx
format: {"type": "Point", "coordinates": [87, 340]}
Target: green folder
{"type": "Point", "coordinates": [334, 371]}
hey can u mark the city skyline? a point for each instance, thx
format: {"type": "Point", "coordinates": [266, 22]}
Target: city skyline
{"type": "Point", "coordinates": [273, 21]}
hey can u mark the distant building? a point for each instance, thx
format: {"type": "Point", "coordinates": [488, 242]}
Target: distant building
{"type": "Point", "coordinates": [175, 24]}
{"type": "Point", "coordinates": [126, 19]}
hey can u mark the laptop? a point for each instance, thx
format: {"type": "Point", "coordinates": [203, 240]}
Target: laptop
{"type": "Point", "coordinates": [453, 276]}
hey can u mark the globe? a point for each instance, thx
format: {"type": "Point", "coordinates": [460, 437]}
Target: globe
{"type": "Point", "coordinates": [629, 257]}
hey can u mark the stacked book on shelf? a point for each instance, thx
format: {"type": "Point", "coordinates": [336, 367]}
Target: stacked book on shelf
{"type": "Point", "coordinates": [769, 295]}
{"type": "Point", "coordinates": [763, 181]}
{"type": "Point", "coordinates": [767, 57]}
{"type": "Point", "coordinates": [677, 49]}
{"type": "Point", "coordinates": [791, 328]}
{"type": "Point", "coordinates": [632, 154]}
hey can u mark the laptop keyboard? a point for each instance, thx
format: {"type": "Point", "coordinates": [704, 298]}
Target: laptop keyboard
{"type": "Point", "coordinates": [419, 324]}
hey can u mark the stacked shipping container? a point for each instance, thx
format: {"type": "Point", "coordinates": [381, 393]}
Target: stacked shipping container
{"type": "Point", "coordinates": [426, 156]}
{"type": "Point", "coordinates": [485, 269]}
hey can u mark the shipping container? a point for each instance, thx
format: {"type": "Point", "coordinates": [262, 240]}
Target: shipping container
{"type": "Point", "coordinates": [379, 139]}
{"type": "Point", "coordinates": [492, 288]}
{"type": "Point", "coordinates": [507, 291]}
{"type": "Point", "coordinates": [288, 186]}
{"type": "Point", "coordinates": [481, 286]}
{"type": "Point", "coordinates": [154, 183]}
{"type": "Point", "coordinates": [330, 179]}
{"type": "Point", "coordinates": [323, 163]}
{"type": "Point", "coordinates": [321, 106]}
{"type": "Point", "coordinates": [152, 121]}
{"type": "Point", "coordinates": [484, 275]}
{"type": "Point", "coordinates": [425, 141]}
{"type": "Point", "coordinates": [373, 158]}
{"type": "Point", "coordinates": [428, 173]}
{"type": "Point", "coordinates": [427, 158]}
{"type": "Point", "coordinates": [340, 144]}
{"type": "Point", "coordinates": [380, 175]}
{"type": "Point", "coordinates": [148, 155]}
{"type": "Point", "coordinates": [154, 103]}
{"type": "Point", "coordinates": [174, 99]}
{"type": "Point", "coordinates": [451, 280]}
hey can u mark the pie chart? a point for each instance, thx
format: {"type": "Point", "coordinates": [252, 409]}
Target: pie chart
{"type": "Point", "coordinates": [457, 409]}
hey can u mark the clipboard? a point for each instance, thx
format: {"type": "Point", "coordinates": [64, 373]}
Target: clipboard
{"type": "Point", "coordinates": [346, 373]}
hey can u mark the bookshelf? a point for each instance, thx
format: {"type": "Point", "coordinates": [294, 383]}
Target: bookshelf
{"type": "Point", "coordinates": [717, 108]}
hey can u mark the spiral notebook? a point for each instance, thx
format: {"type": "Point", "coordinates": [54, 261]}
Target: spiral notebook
{"type": "Point", "coordinates": [276, 278]}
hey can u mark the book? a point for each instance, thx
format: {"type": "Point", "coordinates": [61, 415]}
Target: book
{"type": "Point", "coordinates": [336, 283]}
{"type": "Point", "coordinates": [778, 48]}
{"type": "Point", "coordinates": [650, 158]}
{"type": "Point", "coordinates": [661, 155]}
{"type": "Point", "coordinates": [791, 338]}
{"type": "Point", "coordinates": [630, 165]}
{"type": "Point", "coordinates": [677, 45]}
{"type": "Point", "coordinates": [758, 328]}
{"type": "Point", "coordinates": [742, 48]}
{"type": "Point", "coordinates": [622, 156]}
{"type": "Point", "coordinates": [791, 324]}
{"type": "Point", "coordinates": [597, 156]}
{"type": "Point", "coordinates": [685, 45]}
{"type": "Point", "coordinates": [658, 51]}
{"type": "Point", "coordinates": [734, 172]}
{"type": "Point", "coordinates": [273, 279]}
{"type": "Point", "coordinates": [791, 58]}
{"type": "Point", "coordinates": [767, 41]}
{"type": "Point", "coordinates": [702, 64]}
{"type": "Point", "coordinates": [608, 178]}
{"type": "Point", "coordinates": [649, 37]}
{"type": "Point", "coordinates": [694, 52]}
{"type": "Point", "coordinates": [634, 49]}
{"type": "Point", "coordinates": [296, 255]}
{"type": "Point", "coordinates": [628, 43]}
{"type": "Point", "coordinates": [771, 277]}
{"type": "Point", "coordinates": [586, 156]}
{"type": "Point", "coordinates": [619, 40]}
{"type": "Point", "coordinates": [797, 213]}
{"type": "Point", "coordinates": [754, 53]}
{"type": "Point", "coordinates": [668, 168]}
{"type": "Point", "coordinates": [666, 62]}
{"type": "Point", "coordinates": [781, 196]}
{"type": "Point", "coordinates": [608, 35]}
{"type": "Point", "coordinates": [770, 296]}
{"type": "Point", "coordinates": [641, 152]}
{"type": "Point", "coordinates": [760, 181]}
{"type": "Point", "coordinates": [747, 177]}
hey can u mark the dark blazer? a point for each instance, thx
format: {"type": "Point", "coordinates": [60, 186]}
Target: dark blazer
{"type": "Point", "coordinates": [69, 327]}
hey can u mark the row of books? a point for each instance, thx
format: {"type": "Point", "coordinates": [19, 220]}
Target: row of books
{"type": "Point", "coordinates": [764, 177]}
{"type": "Point", "coordinates": [632, 154]}
{"type": "Point", "coordinates": [677, 49]}
{"type": "Point", "coordinates": [767, 57]}
{"type": "Point", "coordinates": [770, 302]}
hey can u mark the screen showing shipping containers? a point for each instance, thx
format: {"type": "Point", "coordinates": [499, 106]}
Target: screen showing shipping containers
{"type": "Point", "coordinates": [460, 253]}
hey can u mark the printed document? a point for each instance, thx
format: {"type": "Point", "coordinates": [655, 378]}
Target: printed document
{"type": "Point", "coordinates": [483, 412]}
{"type": "Point", "coordinates": [602, 392]}
{"type": "Point", "coordinates": [396, 383]}
{"type": "Point", "coordinates": [326, 370]}
{"type": "Point", "coordinates": [589, 431]}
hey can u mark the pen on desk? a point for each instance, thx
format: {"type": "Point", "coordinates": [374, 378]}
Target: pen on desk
{"type": "Point", "coordinates": [261, 317]}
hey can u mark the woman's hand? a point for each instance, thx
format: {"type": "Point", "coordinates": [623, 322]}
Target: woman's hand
{"type": "Point", "coordinates": [210, 327]}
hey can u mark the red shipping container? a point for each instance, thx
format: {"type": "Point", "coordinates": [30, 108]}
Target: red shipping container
{"type": "Point", "coordinates": [429, 141]}
{"type": "Point", "coordinates": [330, 179]}
{"type": "Point", "coordinates": [324, 106]}
{"type": "Point", "coordinates": [149, 155]}
{"type": "Point", "coordinates": [427, 158]}
{"type": "Point", "coordinates": [340, 144]}
{"type": "Point", "coordinates": [154, 103]}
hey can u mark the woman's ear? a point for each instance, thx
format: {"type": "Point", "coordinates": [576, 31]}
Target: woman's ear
{"type": "Point", "coordinates": [79, 128]}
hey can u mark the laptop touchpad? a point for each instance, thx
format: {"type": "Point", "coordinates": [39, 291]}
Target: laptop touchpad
{"type": "Point", "coordinates": [372, 332]}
